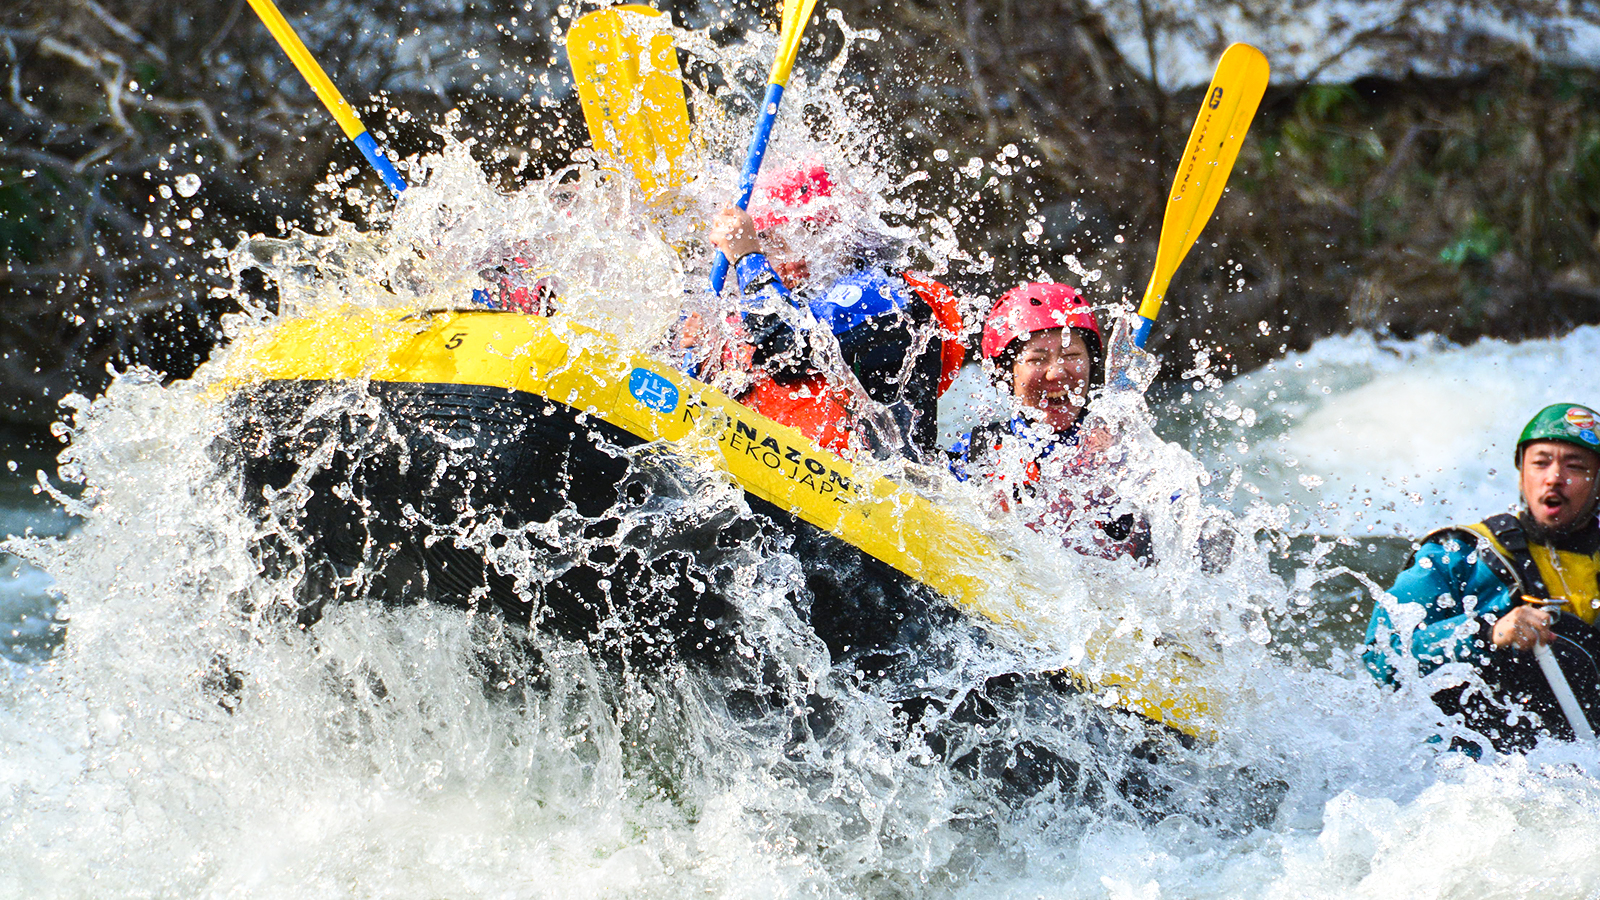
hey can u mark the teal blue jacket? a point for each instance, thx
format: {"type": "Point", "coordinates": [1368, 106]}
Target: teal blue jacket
{"type": "Point", "coordinates": [1459, 596]}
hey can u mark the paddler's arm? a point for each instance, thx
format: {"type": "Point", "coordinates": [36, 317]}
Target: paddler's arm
{"type": "Point", "coordinates": [960, 457]}
{"type": "Point", "coordinates": [777, 346]}
{"type": "Point", "coordinates": [1452, 595]}
{"type": "Point", "coordinates": [1523, 628]}
{"type": "Point", "coordinates": [734, 233]}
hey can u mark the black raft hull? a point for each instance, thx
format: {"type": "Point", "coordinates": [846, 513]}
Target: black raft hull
{"type": "Point", "coordinates": [412, 491]}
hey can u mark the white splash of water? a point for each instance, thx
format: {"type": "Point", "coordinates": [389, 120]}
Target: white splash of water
{"type": "Point", "coordinates": [1368, 437]}
{"type": "Point", "coordinates": [191, 738]}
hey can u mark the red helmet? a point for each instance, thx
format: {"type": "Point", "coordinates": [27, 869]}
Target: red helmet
{"type": "Point", "coordinates": [791, 192]}
{"type": "Point", "coordinates": [1039, 306]}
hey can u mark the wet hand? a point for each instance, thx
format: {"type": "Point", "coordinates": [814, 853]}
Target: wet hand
{"type": "Point", "coordinates": [1523, 628]}
{"type": "Point", "coordinates": [734, 233]}
{"type": "Point", "coordinates": [689, 332]}
{"type": "Point", "coordinates": [1097, 441]}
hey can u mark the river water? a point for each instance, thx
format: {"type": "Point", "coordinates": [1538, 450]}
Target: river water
{"type": "Point", "coordinates": [170, 731]}
{"type": "Point", "coordinates": [125, 776]}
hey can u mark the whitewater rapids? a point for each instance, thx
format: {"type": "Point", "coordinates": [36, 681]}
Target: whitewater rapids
{"type": "Point", "coordinates": [180, 739]}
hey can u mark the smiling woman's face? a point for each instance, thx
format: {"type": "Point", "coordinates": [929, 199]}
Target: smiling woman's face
{"type": "Point", "coordinates": [1558, 482]}
{"type": "Point", "coordinates": [1051, 375]}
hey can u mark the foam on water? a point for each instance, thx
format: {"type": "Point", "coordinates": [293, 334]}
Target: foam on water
{"type": "Point", "coordinates": [191, 738]}
{"type": "Point", "coordinates": [179, 744]}
{"type": "Point", "coordinates": [1362, 436]}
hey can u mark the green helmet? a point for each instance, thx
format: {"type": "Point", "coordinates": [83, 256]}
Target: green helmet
{"type": "Point", "coordinates": [1571, 423]}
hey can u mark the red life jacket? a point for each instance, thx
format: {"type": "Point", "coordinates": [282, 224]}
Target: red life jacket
{"type": "Point", "coordinates": [820, 412]}
{"type": "Point", "coordinates": [945, 311]}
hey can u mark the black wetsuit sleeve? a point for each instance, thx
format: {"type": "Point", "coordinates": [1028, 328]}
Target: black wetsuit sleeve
{"type": "Point", "coordinates": [779, 350]}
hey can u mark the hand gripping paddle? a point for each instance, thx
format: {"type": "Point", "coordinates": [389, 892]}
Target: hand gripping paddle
{"type": "Point", "coordinates": [1225, 114]}
{"type": "Point", "coordinates": [631, 93]}
{"type": "Point", "coordinates": [795, 15]}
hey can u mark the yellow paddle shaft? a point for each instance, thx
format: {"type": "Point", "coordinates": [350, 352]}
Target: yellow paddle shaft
{"type": "Point", "coordinates": [1219, 130]}
{"type": "Point", "coordinates": [796, 13]}
{"type": "Point", "coordinates": [307, 64]}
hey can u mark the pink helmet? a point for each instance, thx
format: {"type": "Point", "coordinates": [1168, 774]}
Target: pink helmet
{"type": "Point", "coordinates": [792, 191]}
{"type": "Point", "coordinates": [1038, 306]}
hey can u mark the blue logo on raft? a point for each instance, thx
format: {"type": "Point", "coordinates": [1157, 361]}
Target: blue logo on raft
{"type": "Point", "coordinates": [653, 390]}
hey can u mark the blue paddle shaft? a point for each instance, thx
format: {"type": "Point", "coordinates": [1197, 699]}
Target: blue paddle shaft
{"type": "Point", "coordinates": [1141, 331]}
{"type": "Point", "coordinates": [386, 170]}
{"type": "Point", "coordinates": [752, 165]}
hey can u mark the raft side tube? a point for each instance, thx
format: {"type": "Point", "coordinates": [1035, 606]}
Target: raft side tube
{"type": "Point", "coordinates": [577, 375]}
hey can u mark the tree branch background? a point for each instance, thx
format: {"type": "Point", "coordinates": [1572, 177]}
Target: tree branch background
{"type": "Point", "coordinates": [1453, 187]}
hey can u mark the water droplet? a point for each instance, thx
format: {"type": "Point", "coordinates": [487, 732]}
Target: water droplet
{"type": "Point", "coordinates": [188, 184]}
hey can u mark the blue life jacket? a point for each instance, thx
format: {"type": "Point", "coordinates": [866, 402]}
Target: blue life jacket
{"type": "Point", "coordinates": [974, 447]}
{"type": "Point", "coordinates": [846, 303]}
{"type": "Point", "coordinates": [1447, 600]}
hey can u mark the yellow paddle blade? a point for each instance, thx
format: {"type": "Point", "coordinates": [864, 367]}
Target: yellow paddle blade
{"type": "Point", "coordinates": [796, 13]}
{"type": "Point", "coordinates": [1225, 115]}
{"type": "Point", "coordinates": [632, 94]}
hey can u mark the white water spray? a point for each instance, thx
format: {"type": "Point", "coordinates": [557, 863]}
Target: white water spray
{"type": "Point", "coordinates": [191, 738]}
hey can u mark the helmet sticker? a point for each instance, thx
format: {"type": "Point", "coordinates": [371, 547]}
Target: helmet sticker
{"type": "Point", "coordinates": [1570, 422]}
{"type": "Point", "coordinates": [1581, 420]}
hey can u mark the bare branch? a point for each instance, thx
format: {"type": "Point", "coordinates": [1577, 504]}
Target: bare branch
{"type": "Point", "coordinates": [198, 108]}
{"type": "Point", "coordinates": [121, 30]}
{"type": "Point", "coordinates": [14, 82]}
{"type": "Point", "coordinates": [112, 85]}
